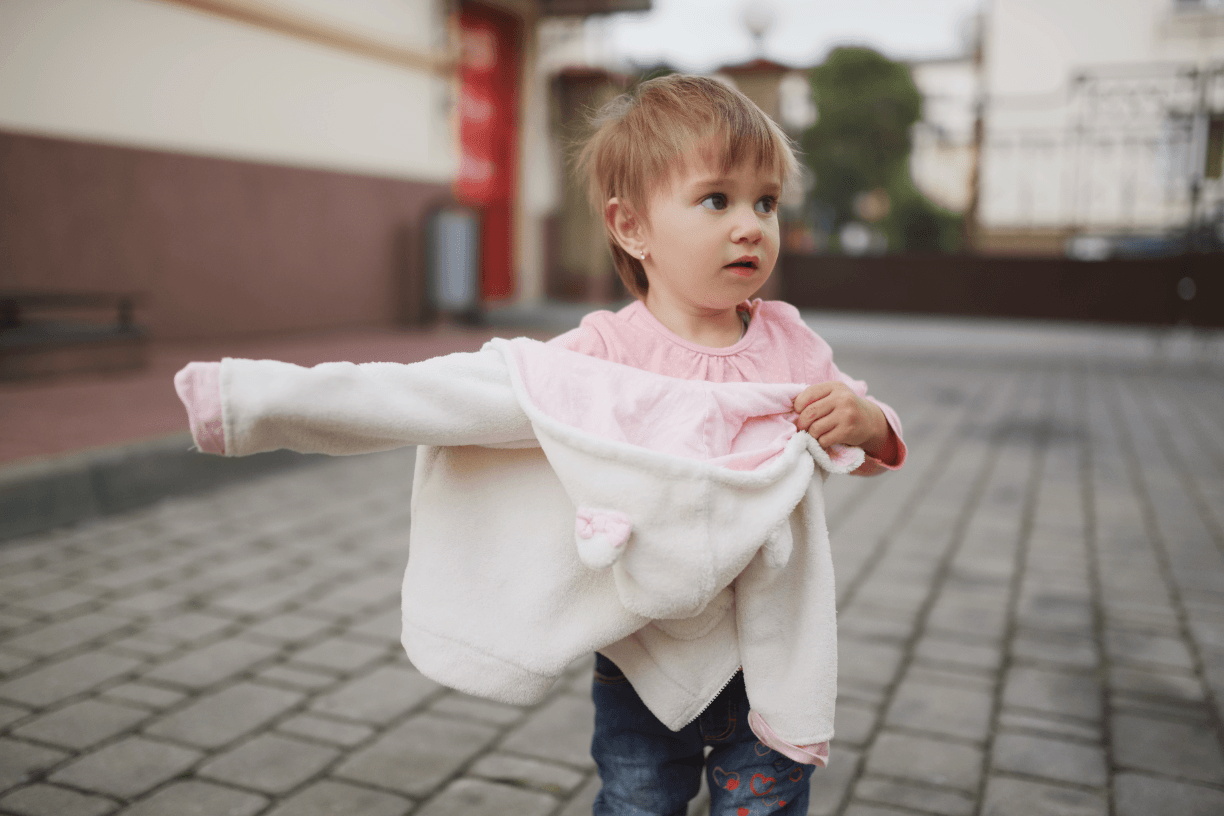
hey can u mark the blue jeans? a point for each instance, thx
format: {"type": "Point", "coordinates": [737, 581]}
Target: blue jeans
{"type": "Point", "coordinates": [649, 770]}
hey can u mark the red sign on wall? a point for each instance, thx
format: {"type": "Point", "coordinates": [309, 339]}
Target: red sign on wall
{"type": "Point", "coordinates": [488, 129]}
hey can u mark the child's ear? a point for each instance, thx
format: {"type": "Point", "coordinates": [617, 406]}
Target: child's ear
{"type": "Point", "coordinates": [625, 226]}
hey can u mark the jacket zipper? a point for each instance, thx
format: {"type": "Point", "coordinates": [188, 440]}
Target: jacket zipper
{"type": "Point", "coordinates": [721, 689]}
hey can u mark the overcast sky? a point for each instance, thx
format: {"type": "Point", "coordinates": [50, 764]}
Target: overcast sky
{"type": "Point", "coordinates": [700, 35]}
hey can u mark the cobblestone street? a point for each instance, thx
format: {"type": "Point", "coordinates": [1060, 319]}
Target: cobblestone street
{"type": "Point", "coordinates": [1031, 617]}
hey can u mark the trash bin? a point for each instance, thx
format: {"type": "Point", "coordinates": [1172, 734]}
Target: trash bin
{"type": "Point", "coordinates": [453, 261]}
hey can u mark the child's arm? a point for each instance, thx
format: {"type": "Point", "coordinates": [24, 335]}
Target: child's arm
{"type": "Point", "coordinates": [834, 414]}
{"type": "Point", "coordinates": [239, 407]}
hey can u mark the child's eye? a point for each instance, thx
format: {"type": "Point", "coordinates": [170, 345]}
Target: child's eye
{"type": "Point", "coordinates": [766, 205]}
{"type": "Point", "coordinates": [714, 201]}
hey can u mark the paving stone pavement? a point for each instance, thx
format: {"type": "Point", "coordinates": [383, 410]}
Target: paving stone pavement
{"type": "Point", "coordinates": [1031, 618]}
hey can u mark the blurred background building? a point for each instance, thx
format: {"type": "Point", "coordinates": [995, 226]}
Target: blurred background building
{"type": "Point", "coordinates": [1103, 127]}
{"type": "Point", "coordinates": [279, 165]}
{"type": "Point", "coordinates": [272, 165]}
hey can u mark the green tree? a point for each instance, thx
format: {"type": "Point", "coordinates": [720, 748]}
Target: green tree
{"type": "Point", "coordinates": [866, 105]}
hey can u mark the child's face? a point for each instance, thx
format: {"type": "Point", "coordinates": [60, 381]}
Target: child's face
{"type": "Point", "coordinates": [712, 236]}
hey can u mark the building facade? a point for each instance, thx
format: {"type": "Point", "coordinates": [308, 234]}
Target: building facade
{"type": "Point", "coordinates": [1103, 127]}
{"type": "Point", "coordinates": [269, 165]}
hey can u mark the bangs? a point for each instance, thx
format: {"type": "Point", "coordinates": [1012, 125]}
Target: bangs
{"type": "Point", "coordinates": [726, 148]}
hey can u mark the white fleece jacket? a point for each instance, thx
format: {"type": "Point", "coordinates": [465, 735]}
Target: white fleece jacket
{"type": "Point", "coordinates": [564, 504]}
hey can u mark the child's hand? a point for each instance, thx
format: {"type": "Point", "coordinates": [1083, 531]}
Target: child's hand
{"type": "Point", "coordinates": [835, 415]}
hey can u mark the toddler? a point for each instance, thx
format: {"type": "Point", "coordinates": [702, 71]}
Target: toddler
{"type": "Point", "coordinates": [680, 431]}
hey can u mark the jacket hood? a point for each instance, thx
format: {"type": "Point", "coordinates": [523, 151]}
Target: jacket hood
{"type": "Point", "coordinates": [677, 483]}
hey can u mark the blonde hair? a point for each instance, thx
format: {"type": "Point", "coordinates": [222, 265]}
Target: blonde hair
{"type": "Point", "coordinates": [639, 136]}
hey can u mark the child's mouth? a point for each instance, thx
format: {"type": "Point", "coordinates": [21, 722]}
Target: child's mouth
{"type": "Point", "coordinates": [743, 266]}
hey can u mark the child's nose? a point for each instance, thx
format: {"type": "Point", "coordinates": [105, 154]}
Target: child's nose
{"type": "Point", "coordinates": [747, 226]}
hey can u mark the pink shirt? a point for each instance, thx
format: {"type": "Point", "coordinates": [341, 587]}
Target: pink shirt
{"type": "Point", "coordinates": [777, 347]}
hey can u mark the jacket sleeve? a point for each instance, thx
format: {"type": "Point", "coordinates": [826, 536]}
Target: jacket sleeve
{"type": "Point", "coordinates": [199, 387]}
{"type": "Point", "coordinates": [345, 408]}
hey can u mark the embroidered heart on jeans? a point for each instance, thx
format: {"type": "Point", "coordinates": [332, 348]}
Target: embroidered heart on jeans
{"type": "Point", "coordinates": [742, 812]}
{"type": "Point", "coordinates": [767, 784]}
{"type": "Point", "coordinates": [725, 779]}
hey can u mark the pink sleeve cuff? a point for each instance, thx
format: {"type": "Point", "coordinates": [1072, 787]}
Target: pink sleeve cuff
{"type": "Point", "coordinates": [873, 465]}
{"type": "Point", "coordinates": [816, 754]}
{"type": "Point", "coordinates": [199, 387]}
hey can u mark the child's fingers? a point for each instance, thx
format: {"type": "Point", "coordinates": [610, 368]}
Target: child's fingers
{"type": "Point", "coordinates": [827, 431]}
{"type": "Point", "coordinates": [814, 411]}
{"type": "Point", "coordinates": [811, 394]}
{"type": "Point", "coordinates": [835, 417]}
{"type": "Point", "coordinates": [841, 425]}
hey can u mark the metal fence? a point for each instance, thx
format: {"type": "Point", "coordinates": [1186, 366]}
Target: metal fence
{"type": "Point", "coordinates": [1137, 153]}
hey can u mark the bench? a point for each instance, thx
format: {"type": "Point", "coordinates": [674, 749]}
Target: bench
{"type": "Point", "coordinates": [50, 333]}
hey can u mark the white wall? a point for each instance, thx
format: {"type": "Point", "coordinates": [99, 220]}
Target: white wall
{"type": "Point", "coordinates": [409, 23]}
{"type": "Point", "coordinates": [152, 74]}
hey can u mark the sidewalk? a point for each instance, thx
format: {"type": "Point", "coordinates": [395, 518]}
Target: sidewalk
{"type": "Point", "coordinates": [80, 447]}
{"type": "Point", "coordinates": [1031, 612]}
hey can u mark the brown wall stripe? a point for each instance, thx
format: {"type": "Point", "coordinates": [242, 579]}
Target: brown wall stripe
{"type": "Point", "coordinates": [219, 246]}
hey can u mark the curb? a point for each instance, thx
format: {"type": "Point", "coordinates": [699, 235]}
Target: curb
{"type": "Point", "coordinates": [51, 493]}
